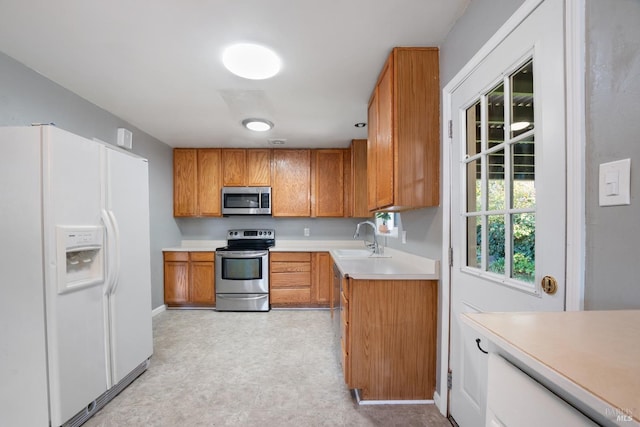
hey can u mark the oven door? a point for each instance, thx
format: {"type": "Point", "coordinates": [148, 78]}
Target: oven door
{"type": "Point", "coordinates": [242, 272]}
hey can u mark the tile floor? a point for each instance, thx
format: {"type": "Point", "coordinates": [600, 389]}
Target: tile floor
{"type": "Point", "coordinates": [248, 369]}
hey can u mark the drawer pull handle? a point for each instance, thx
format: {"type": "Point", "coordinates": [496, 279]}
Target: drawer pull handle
{"type": "Point", "coordinates": [480, 348]}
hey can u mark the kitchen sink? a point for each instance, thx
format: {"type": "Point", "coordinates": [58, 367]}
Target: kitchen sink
{"type": "Point", "coordinates": [352, 253]}
{"type": "Point", "coordinates": [358, 253]}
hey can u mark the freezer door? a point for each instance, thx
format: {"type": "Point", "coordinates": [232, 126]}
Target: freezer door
{"type": "Point", "coordinates": [126, 201]}
{"type": "Point", "coordinates": [75, 321]}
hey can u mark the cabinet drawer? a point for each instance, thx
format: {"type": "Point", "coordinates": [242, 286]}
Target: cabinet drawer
{"type": "Point", "coordinates": [176, 256]}
{"type": "Point", "coordinates": [346, 369]}
{"type": "Point", "coordinates": [345, 302]}
{"type": "Point", "coordinates": [345, 330]}
{"type": "Point", "coordinates": [202, 256]}
{"type": "Point", "coordinates": [291, 256]}
{"type": "Point", "coordinates": [290, 267]}
{"type": "Point", "coordinates": [291, 296]}
{"type": "Point", "coordinates": [291, 280]}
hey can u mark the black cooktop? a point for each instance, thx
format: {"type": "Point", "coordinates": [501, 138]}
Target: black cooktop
{"type": "Point", "coordinates": [253, 239]}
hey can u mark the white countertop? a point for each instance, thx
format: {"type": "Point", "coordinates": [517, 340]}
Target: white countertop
{"type": "Point", "coordinates": [590, 356]}
{"type": "Point", "coordinates": [281, 245]}
{"type": "Point", "coordinates": [399, 266]}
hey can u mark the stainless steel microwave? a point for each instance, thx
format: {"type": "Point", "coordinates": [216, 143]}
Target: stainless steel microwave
{"type": "Point", "coordinates": [246, 201]}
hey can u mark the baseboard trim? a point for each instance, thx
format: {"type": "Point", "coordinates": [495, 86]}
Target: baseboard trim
{"type": "Point", "coordinates": [390, 402]}
{"type": "Point", "coordinates": [158, 310]}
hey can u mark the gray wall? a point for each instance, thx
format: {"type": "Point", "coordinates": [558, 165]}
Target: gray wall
{"type": "Point", "coordinates": [286, 228]}
{"type": "Point", "coordinates": [27, 97]}
{"type": "Point", "coordinates": [613, 133]}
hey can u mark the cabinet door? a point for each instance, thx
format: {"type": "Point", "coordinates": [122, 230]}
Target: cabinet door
{"type": "Point", "coordinates": [202, 290]}
{"type": "Point", "coordinates": [209, 182]}
{"type": "Point", "coordinates": [329, 183]}
{"type": "Point", "coordinates": [185, 182]}
{"type": "Point", "coordinates": [359, 186]}
{"type": "Point", "coordinates": [291, 183]}
{"type": "Point", "coordinates": [233, 166]}
{"type": "Point", "coordinates": [258, 168]}
{"type": "Point", "coordinates": [176, 278]}
{"type": "Point", "coordinates": [372, 150]}
{"type": "Point", "coordinates": [384, 139]}
{"type": "Point", "coordinates": [322, 268]}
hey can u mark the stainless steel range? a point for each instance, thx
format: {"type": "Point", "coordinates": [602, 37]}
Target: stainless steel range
{"type": "Point", "coordinates": [242, 271]}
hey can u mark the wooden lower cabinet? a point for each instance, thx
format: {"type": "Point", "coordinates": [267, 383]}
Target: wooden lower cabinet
{"type": "Point", "coordinates": [189, 279]}
{"type": "Point", "coordinates": [389, 330]}
{"type": "Point", "coordinates": [300, 279]}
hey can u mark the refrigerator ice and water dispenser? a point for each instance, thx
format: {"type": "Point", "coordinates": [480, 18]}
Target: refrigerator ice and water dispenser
{"type": "Point", "coordinates": [80, 257]}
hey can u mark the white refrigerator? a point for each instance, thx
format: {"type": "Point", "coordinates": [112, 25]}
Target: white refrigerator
{"type": "Point", "coordinates": [75, 310]}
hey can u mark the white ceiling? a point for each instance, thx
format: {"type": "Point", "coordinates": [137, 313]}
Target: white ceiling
{"type": "Point", "coordinates": [156, 63]}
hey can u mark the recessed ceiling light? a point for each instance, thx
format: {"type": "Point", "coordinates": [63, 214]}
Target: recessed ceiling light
{"type": "Point", "coordinates": [251, 61]}
{"type": "Point", "coordinates": [360, 125]}
{"type": "Point", "coordinates": [257, 125]}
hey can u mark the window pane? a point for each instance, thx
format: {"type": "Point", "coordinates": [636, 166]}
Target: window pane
{"type": "Point", "coordinates": [496, 181]}
{"type": "Point", "coordinates": [495, 113]}
{"type": "Point", "coordinates": [474, 130]}
{"type": "Point", "coordinates": [474, 187]}
{"type": "Point", "coordinates": [523, 174]}
{"type": "Point", "coordinates": [524, 246]}
{"type": "Point", "coordinates": [474, 241]}
{"type": "Point", "coordinates": [522, 118]}
{"type": "Point", "coordinates": [496, 239]}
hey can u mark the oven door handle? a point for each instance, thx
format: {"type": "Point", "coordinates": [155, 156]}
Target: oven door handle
{"type": "Point", "coordinates": [241, 254]}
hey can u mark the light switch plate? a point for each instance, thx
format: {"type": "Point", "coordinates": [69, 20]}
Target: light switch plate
{"type": "Point", "coordinates": [615, 183]}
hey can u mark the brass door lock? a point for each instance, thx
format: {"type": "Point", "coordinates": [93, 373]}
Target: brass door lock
{"type": "Point", "coordinates": [549, 285]}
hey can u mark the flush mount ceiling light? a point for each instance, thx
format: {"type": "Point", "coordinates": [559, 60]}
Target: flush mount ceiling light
{"type": "Point", "coordinates": [251, 61]}
{"type": "Point", "coordinates": [257, 125]}
{"type": "Point", "coordinates": [519, 126]}
{"type": "Point", "coordinates": [360, 125]}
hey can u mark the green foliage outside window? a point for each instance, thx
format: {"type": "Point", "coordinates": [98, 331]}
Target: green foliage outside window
{"type": "Point", "coordinates": [523, 231]}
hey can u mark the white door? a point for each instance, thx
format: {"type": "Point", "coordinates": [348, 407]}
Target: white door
{"type": "Point", "coordinates": [126, 199]}
{"type": "Point", "coordinates": [508, 193]}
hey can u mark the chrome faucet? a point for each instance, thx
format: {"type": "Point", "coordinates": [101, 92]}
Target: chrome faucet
{"type": "Point", "coordinates": [375, 246]}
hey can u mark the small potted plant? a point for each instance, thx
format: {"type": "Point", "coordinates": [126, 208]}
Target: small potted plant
{"type": "Point", "coordinates": [384, 216]}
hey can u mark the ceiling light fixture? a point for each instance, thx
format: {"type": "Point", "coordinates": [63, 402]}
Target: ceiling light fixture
{"type": "Point", "coordinates": [360, 125]}
{"type": "Point", "coordinates": [257, 125]}
{"type": "Point", "coordinates": [251, 61]}
{"type": "Point", "coordinates": [519, 126]}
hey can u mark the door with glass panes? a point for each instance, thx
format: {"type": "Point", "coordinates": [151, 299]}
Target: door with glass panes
{"type": "Point", "coordinates": [508, 193]}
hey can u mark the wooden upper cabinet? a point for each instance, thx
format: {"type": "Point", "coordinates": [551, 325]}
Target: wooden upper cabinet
{"type": "Point", "coordinates": [246, 167]}
{"type": "Point", "coordinates": [209, 182]}
{"type": "Point", "coordinates": [358, 185]}
{"type": "Point", "coordinates": [291, 192]}
{"type": "Point", "coordinates": [233, 166]}
{"type": "Point", "coordinates": [185, 182]}
{"type": "Point", "coordinates": [328, 183]}
{"type": "Point", "coordinates": [258, 167]}
{"type": "Point", "coordinates": [404, 134]}
{"type": "Point", "coordinates": [196, 182]}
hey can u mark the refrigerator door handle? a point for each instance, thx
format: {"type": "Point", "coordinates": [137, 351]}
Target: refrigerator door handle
{"type": "Point", "coordinates": [116, 252]}
{"type": "Point", "coordinates": [110, 256]}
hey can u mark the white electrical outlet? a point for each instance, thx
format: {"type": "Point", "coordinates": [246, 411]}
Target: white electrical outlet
{"type": "Point", "coordinates": [404, 236]}
{"type": "Point", "coordinates": [307, 232]}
